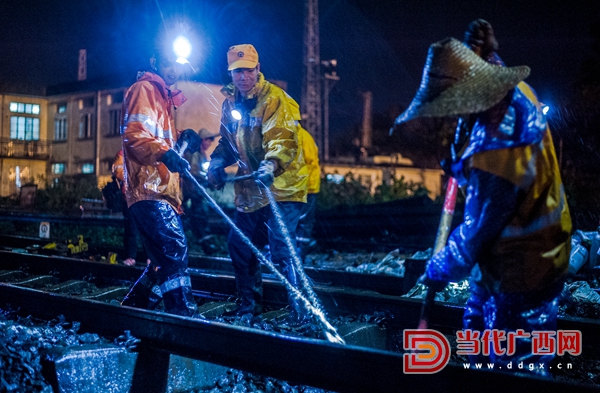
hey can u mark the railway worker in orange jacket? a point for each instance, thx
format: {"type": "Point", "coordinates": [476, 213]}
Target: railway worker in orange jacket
{"type": "Point", "coordinates": [514, 242]}
{"type": "Point", "coordinates": [263, 138]}
{"type": "Point", "coordinates": [153, 162]}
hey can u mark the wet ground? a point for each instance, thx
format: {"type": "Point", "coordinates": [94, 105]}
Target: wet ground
{"type": "Point", "coordinates": [23, 344]}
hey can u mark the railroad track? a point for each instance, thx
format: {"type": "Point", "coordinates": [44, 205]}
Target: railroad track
{"type": "Point", "coordinates": [382, 283]}
{"type": "Point", "coordinates": [408, 224]}
{"type": "Point", "coordinates": [308, 361]}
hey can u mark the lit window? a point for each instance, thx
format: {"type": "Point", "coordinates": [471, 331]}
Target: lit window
{"type": "Point", "coordinates": [21, 107]}
{"type": "Point", "coordinates": [335, 178]}
{"type": "Point", "coordinates": [61, 108]}
{"type": "Point", "coordinates": [60, 129]}
{"type": "Point", "coordinates": [18, 176]}
{"type": "Point", "coordinates": [87, 168]}
{"type": "Point", "coordinates": [25, 128]}
{"type": "Point", "coordinates": [58, 168]}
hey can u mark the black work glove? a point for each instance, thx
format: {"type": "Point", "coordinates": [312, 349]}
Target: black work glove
{"type": "Point", "coordinates": [266, 172]}
{"type": "Point", "coordinates": [480, 38]}
{"type": "Point", "coordinates": [174, 162]}
{"type": "Point", "coordinates": [434, 285]}
{"type": "Point", "coordinates": [216, 175]}
{"type": "Point", "coordinates": [193, 141]}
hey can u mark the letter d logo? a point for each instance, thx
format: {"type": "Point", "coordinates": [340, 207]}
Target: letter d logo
{"type": "Point", "coordinates": [430, 351]}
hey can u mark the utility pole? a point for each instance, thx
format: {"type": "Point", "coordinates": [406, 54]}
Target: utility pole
{"type": "Point", "coordinates": [311, 89]}
{"type": "Point", "coordinates": [330, 79]}
{"type": "Point", "coordinates": [367, 126]}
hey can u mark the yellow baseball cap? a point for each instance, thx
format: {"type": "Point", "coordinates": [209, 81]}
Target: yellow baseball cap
{"type": "Point", "coordinates": [242, 56]}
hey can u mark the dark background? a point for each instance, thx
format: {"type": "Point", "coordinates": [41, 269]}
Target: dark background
{"type": "Point", "coordinates": [380, 45]}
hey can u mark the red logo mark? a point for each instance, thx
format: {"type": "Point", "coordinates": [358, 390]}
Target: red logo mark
{"type": "Point", "coordinates": [430, 351]}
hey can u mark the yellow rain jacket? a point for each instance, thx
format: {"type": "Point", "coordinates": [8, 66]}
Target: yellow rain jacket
{"type": "Point", "coordinates": [148, 132]}
{"type": "Point", "coordinates": [268, 130]}
{"type": "Point", "coordinates": [311, 157]}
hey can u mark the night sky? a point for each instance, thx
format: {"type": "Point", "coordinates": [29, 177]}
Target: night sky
{"type": "Point", "coordinates": [380, 45]}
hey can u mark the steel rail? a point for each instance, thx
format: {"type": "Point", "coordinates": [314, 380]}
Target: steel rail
{"type": "Point", "coordinates": [403, 312]}
{"type": "Point", "coordinates": [382, 283]}
{"type": "Point", "coordinates": [318, 363]}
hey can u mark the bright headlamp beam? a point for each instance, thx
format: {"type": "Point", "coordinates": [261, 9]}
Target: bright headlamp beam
{"type": "Point", "coordinates": [237, 115]}
{"type": "Point", "coordinates": [545, 109]}
{"type": "Point", "coordinates": [182, 49]}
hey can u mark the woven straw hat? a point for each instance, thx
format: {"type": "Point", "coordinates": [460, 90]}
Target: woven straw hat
{"type": "Point", "coordinates": [456, 81]}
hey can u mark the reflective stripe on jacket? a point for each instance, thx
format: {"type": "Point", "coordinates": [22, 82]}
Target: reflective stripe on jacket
{"type": "Point", "coordinates": [268, 131]}
{"type": "Point", "coordinates": [147, 129]}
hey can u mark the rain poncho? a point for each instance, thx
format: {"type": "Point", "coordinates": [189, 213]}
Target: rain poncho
{"type": "Point", "coordinates": [516, 224]}
{"type": "Point", "coordinates": [268, 131]}
{"type": "Point", "coordinates": [515, 238]}
{"type": "Point", "coordinates": [148, 132]}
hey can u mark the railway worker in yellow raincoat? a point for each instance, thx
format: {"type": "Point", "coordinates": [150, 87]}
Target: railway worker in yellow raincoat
{"type": "Point", "coordinates": [259, 132]}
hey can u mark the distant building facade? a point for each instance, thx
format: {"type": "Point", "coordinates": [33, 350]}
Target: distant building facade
{"type": "Point", "coordinates": [75, 130]}
{"type": "Point", "coordinates": [24, 145]}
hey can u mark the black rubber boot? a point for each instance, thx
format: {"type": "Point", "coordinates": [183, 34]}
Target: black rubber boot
{"type": "Point", "coordinates": [179, 300]}
{"type": "Point", "coordinates": [250, 290]}
{"type": "Point", "coordinates": [144, 293]}
{"type": "Point", "coordinates": [299, 315]}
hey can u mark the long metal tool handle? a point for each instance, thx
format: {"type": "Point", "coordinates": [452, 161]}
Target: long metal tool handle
{"type": "Point", "coordinates": [440, 242]}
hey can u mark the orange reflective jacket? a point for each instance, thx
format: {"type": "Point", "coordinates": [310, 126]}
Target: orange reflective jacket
{"type": "Point", "coordinates": [147, 129]}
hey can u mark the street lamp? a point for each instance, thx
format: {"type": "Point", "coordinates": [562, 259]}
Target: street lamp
{"type": "Point", "coordinates": [330, 79]}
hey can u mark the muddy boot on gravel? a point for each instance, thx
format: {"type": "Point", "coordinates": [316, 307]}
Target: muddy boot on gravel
{"type": "Point", "coordinates": [250, 290]}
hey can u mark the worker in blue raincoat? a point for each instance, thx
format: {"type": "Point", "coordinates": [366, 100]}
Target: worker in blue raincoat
{"type": "Point", "coordinates": [259, 132]}
{"type": "Point", "coordinates": [514, 242]}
